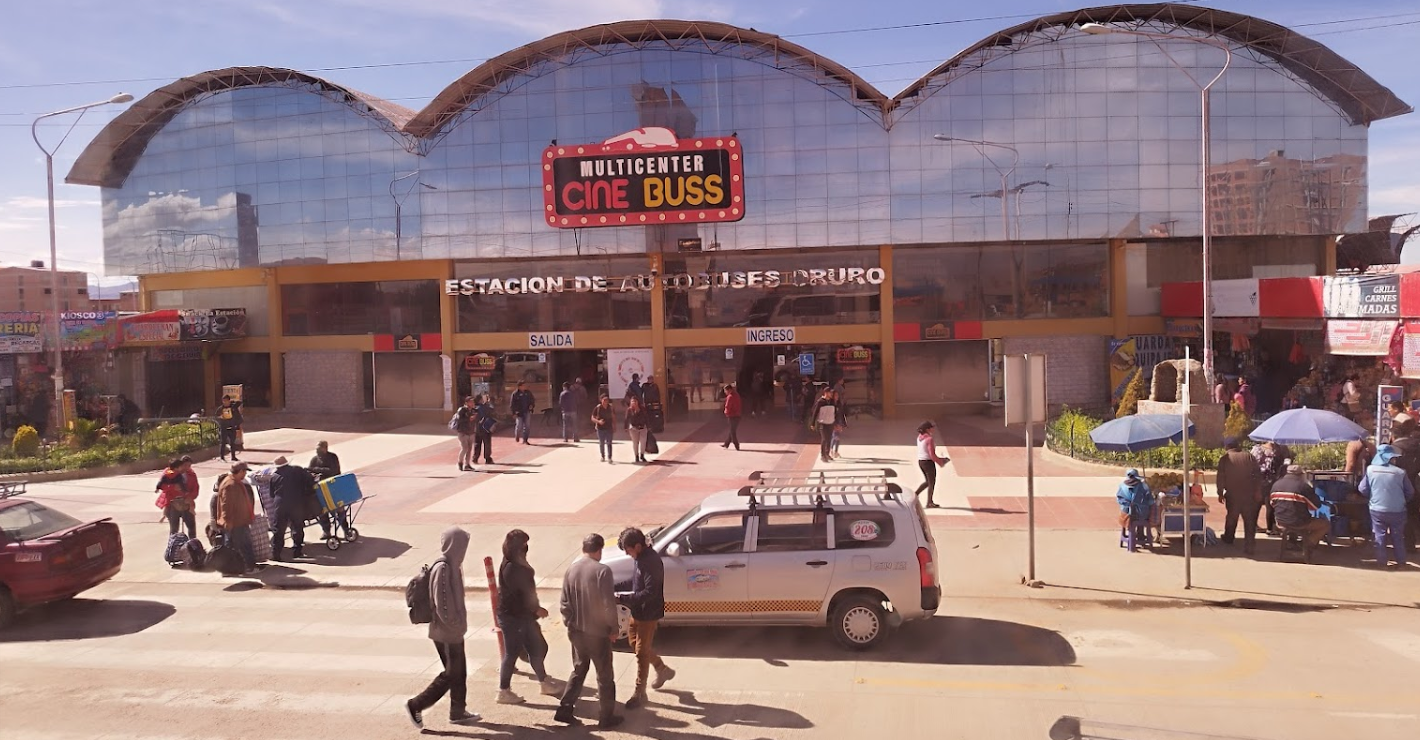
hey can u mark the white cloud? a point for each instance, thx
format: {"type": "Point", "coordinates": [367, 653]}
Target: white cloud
{"type": "Point", "coordinates": [541, 17]}
{"type": "Point", "coordinates": [26, 202]}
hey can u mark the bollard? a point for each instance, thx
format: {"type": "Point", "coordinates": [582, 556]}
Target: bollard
{"type": "Point", "coordinates": [493, 601]}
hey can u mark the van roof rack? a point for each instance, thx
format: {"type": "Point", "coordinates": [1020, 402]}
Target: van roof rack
{"type": "Point", "coordinates": [821, 483]}
{"type": "Point", "coordinates": [12, 488]}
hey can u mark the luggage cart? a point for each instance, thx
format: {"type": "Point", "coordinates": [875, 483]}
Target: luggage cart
{"type": "Point", "coordinates": [342, 522]}
{"type": "Point", "coordinates": [1334, 487]}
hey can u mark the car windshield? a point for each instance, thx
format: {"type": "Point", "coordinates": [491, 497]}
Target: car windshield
{"type": "Point", "coordinates": [658, 531]}
{"type": "Point", "coordinates": [28, 520]}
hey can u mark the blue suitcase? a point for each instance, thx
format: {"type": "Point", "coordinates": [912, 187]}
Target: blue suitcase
{"type": "Point", "coordinates": [338, 492]}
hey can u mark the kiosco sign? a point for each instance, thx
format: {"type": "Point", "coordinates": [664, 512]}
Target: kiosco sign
{"type": "Point", "coordinates": [641, 177]}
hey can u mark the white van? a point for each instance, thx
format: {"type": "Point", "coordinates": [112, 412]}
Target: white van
{"type": "Point", "coordinates": [844, 549]}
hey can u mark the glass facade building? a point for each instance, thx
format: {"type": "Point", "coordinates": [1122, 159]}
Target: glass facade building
{"type": "Point", "coordinates": [1042, 175]}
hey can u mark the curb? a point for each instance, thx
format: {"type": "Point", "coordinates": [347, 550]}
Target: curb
{"type": "Point", "coordinates": [130, 468]}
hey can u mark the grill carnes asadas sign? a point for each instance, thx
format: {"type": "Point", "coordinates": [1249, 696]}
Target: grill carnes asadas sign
{"type": "Point", "coordinates": [643, 177]}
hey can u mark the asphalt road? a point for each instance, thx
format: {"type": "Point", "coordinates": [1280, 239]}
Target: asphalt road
{"type": "Point", "coordinates": [229, 660]}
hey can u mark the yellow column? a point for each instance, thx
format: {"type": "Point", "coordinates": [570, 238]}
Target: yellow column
{"type": "Point", "coordinates": [658, 325]}
{"type": "Point", "coordinates": [1118, 288]}
{"type": "Point", "coordinates": [889, 349]}
{"type": "Point", "coordinates": [276, 330]}
{"type": "Point", "coordinates": [1330, 256]}
{"type": "Point", "coordinates": [448, 324]}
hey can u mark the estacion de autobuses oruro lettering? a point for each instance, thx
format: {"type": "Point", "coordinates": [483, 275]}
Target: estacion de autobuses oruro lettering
{"type": "Point", "coordinates": [678, 281]}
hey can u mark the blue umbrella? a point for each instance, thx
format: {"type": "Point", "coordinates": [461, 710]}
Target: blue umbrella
{"type": "Point", "coordinates": [1307, 427]}
{"type": "Point", "coordinates": [1139, 432]}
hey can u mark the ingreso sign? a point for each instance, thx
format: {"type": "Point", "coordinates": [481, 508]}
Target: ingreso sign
{"type": "Point", "coordinates": [643, 177]}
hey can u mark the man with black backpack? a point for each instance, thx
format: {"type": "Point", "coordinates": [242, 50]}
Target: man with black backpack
{"type": "Point", "coordinates": [436, 596]}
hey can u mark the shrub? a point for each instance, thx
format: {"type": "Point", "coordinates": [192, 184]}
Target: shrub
{"type": "Point", "coordinates": [1129, 402]}
{"type": "Point", "coordinates": [1237, 424]}
{"type": "Point", "coordinates": [1320, 457]}
{"type": "Point", "coordinates": [86, 431]}
{"type": "Point", "coordinates": [26, 442]}
{"type": "Point", "coordinates": [1069, 434]}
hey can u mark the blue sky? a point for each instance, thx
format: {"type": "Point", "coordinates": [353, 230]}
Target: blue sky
{"type": "Point", "coordinates": [67, 52]}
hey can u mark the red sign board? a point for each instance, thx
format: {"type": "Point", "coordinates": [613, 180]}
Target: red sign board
{"type": "Point", "coordinates": [480, 362]}
{"type": "Point", "coordinates": [855, 356]}
{"type": "Point", "coordinates": [643, 177]}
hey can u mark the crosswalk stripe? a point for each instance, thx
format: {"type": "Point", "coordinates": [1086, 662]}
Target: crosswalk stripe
{"type": "Point", "coordinates": [1108, 644]}
{"type": "Point", "coordinates": [161, 659]}
{"type": "Point", "coordinates": [1405, 644]}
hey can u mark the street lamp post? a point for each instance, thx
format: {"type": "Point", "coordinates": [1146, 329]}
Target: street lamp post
{"type": "Point", "coordinates": [1005, 174]}
{"type": "Point", "coordinates": [1205, 141]}
{"type": "Point", "coordinates": [399, 208]}
{"type": "Point", "coordinates": [54, 242]}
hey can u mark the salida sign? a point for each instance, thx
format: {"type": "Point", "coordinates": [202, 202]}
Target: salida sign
{"type": "Point", "coordinates": [641, 177]}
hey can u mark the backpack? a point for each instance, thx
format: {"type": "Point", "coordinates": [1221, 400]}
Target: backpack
{"type": "Point", "coordinates": [173, 552]}
{"type": "Point", "coordinates": [193, 554]}
{"type": "Point", "coordinates": [225, 560]}
{"type": "Point", "coordinates": [827, 414]}
{"type": "Point", "coordinates": [418, 598]}
{"type": "Point", "coordinates": [454, 422]}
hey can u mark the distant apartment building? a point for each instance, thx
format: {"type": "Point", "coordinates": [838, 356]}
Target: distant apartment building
{"type": "Point", "coordinates": [1282, 195]}
{"type": "Point", "coordinates": [29, 289]}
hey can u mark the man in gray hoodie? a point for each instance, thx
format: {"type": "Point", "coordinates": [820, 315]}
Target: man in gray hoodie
{"type": "Point", "coordinates": [447, 630]}
{"type": "Point", "coordinates": [589, 611]}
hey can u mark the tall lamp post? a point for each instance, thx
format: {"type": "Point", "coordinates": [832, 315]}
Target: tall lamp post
{"type": "Point", "coordinates": [1206, 140]}
{"type": "Point", "coordinates": [399, 208]}
{"type": "Point", "coordinates": [53, 240]}
{"type": "Point", "coordinates": [1005, 174]}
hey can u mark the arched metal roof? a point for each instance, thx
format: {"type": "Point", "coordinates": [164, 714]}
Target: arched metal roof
{"type": "Point", "coordinates": [485, 78]}
{"type": "Point", "coordinates": [108, 159]}
{"type": "Point", "coordinates": [1356, 93]}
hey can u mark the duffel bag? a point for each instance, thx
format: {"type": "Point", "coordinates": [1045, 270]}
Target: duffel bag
{"type": "Point", "coordinates": [260, 531]}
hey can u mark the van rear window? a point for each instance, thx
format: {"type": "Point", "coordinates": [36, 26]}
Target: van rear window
{"type": "Point", "coordinates": [857, 530]}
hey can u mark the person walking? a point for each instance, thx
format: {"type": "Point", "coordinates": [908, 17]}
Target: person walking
{"type": "Point", "coordinates": [840, 425]}
{"type": "Point", "coordinates": [637, 420]}
{"type": "Point", "coordinates": [229, 422]}
{"type": "Point", "coordinates": [825, 416]}
{"type": "Point", "coordinates": [464, 425]}
{"type": "Point", "coordinates": [655, 408]}
{"type": "Point", "coordinates": [604, 422]}
{"type": "Point", "coordinates": [928, 461]}
{"type": "Point", "coordinates": [1389, 492]}
{"type": "Point", "coordinates": [235, 510]}
{"type": "Point", "coordinates": [522, 404]}
{"type": "Point", "coordinates": [583, 403]}
{"type": "Point", "coordinates": [1351, 396]}
{"type": "Point", "coordinates": [1240, 490]}
{"type": "Point", "coordinates": [447, 630]}
{"type": "Point", "coordinates": [646, 598]}
{"type": "Point", "coordinates": [733, 409]}
{"type": "Point", "coordinates": [485, 419]}
{"type": "Point", "coordinates": [589, 611]}
{"type": "Point", "coordinates": [177, 496]}
{"type": "Point", "coordinates": [517, 615]}
{"type": "Point", "coordinates": [567, 404]}
{"type": "Point", "coordinates": [634, 390]}
{"type": "Point", "coordinates": [1407, 446]}
{"type": "Point", "coordinates": [292, 487]}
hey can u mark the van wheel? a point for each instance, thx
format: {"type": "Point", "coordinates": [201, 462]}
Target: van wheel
{"type": "Point", "coordinates": [7, 608]}
{"type": "Point", "coordinates": [858, 622]}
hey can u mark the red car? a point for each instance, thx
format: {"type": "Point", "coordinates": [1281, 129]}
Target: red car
{"type": "Point", "coordinates": [46, 555]}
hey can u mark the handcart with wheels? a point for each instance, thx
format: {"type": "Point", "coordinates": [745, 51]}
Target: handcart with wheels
{"type": "Point", "coordinates": [340, 499]}
{"type": "Point", "coordinates": [1169, 516]}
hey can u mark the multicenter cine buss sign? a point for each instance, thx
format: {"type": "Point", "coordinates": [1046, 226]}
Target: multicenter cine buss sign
{"type": "Point", "coordinates": [643, 177]}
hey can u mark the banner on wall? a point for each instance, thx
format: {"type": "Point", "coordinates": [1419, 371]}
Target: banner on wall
{"type": "Point", "coordinates": [1235, 297]}
{"type": "Point", "coordinates": [1361, 296]}
{"type": "Point", "coordinates": [1410, 351]}
{"type": "Point", "coordinates": [21, 332]}
{"type": "Point", "coordinates": [1359, 338]}
{"type": "Point", "coordinates": [1142, 351]}
{"type": "Point", "coordinates": [621, 364]}
{"type": "Point", "coordinates": [83, 330]}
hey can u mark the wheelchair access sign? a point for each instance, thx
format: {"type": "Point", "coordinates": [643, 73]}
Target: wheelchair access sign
{"type": "Point", "coordinates": [806, 364]}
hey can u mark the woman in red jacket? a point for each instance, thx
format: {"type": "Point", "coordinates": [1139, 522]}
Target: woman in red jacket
{"type": "Point", "coordinates": [177, 495]}
{"type": "Point", "coordinates": [732, 414]}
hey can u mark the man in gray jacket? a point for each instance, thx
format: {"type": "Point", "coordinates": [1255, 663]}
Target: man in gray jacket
{"type": "Point", "coordinates": [589, 611]}
{"type": "Point", "coordinates": [447, 630]}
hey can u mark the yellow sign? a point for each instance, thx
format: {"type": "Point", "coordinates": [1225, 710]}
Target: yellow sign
{"type": "Point", "coordinates": [235, 391]}
{"type": "Point", "coordinates": [71, 409]}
